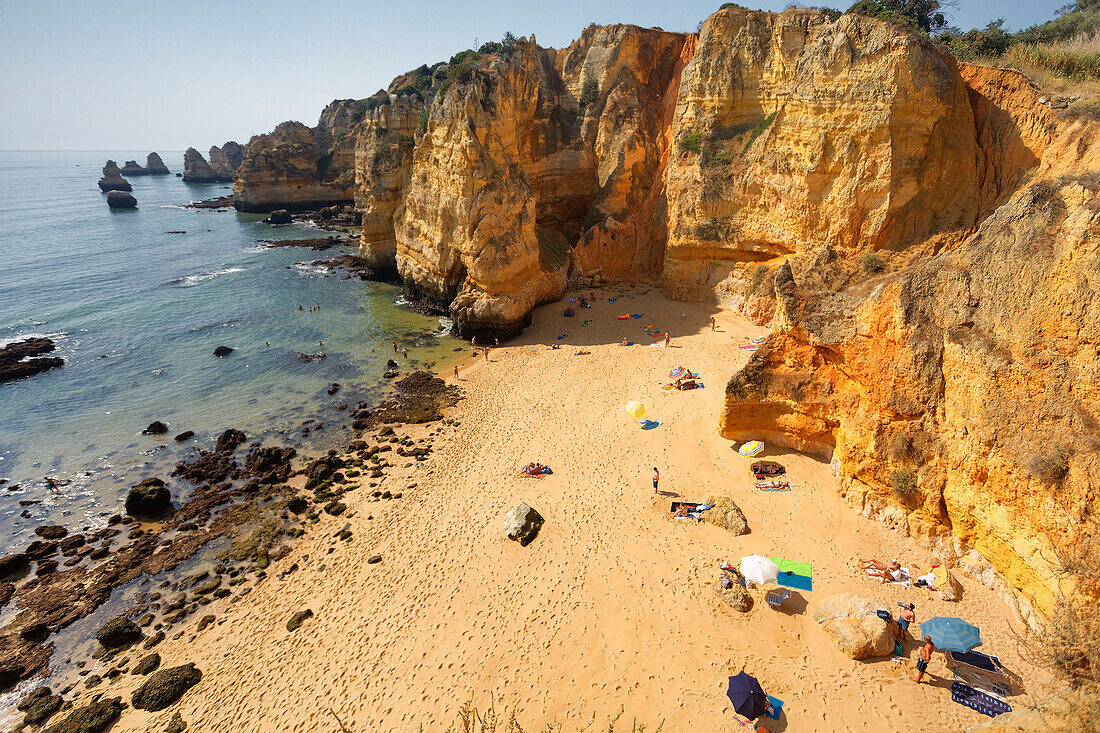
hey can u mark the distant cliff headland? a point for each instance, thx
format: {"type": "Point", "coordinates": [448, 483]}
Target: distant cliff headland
{"type": "Point", "coordinates": [919, 232]}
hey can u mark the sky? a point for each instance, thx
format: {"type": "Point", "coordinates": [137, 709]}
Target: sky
{"type": "Point", "coordinates": [167, 75]}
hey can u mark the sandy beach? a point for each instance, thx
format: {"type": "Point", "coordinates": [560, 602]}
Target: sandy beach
{"type": "Point", "coordinates": [610, 609]}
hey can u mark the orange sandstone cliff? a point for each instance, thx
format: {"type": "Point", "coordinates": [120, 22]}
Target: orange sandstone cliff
{"type": "Point", "coordinates": [919, 232]}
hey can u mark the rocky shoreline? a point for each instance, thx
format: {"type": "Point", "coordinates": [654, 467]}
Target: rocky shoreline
{"type": "Point", "coordinates": [256, 499]}
{"type": "Point", "coordinates": [22, 359]}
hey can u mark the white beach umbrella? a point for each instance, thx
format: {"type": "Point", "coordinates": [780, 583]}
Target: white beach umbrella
{"type": "Point", "coordinates": [759, 569]}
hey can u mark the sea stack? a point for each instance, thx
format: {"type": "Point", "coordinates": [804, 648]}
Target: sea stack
{"type": "Point", "coordinates": [227, 159]}
{"type": "Point", "coordinates": [197, 170]}
{"type": "Point", "coordinates": [121, 200]}
{"type": "Point", "coordinates": [154, 166]}
{"type": "Point", "coordinates": [112, 179]}
{"type": "Point", "coordinates": [131, 168]}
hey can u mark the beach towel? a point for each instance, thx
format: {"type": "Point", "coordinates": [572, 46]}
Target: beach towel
{"type": "Point", "coordinates": [978, 700]}
{"type": "Point", "coordinates": [750, 347]}
{"type": "Point", "coordinates": [561, 336]}
{"type": "Point", "coordinates": [777, 707]}
{"type": "Point", "coordinates": [773, 485]}
{"type": "Point", "coordinates": [585, 324]}
{"type": "Point", "coordinates": [689, 504]}
{"type": "Point", "coordinates": [624, 318]}
{"type": "Point", "coordinates": [581, 353]}
{"type": "Point", "coordinates": [656, 346]}
{"type": "Point", "coordinates": [636, 316]}
{"type": "Point", "coordinates": [657, 335]}
{"type": "Point", "coordinates": [905, 576]}
{"type": "Point", "coordinates": [794, 573]}
{"type": "Point", "coordinates": [612, 300]}
{"type": "Point", "coordinates": [650, 424]}
{"type": "Point", "coordinates": [571, 300]}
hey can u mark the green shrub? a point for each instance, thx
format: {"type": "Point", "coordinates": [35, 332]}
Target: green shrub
{"type": "Point", "coordinates": [762, 125]}
{"type": "Point", "coordinates": [922, 14]}
{"type": "Point", "coordinates": [830, 13]}
{"type": "Point", "coordinates": [872, 263]}
{"type": "Point", "coordinates": [424, 114]}
{"type": "Point", "coordinates": [692, 142]}
{"type": "Point", "coordinates": [589, 92]}
{"type": "Point", "coordinates": [409, 91]}
{"type": "Point", "coordinates": [463, 71]}
{"type": "Point", "coordinates": [721, 157]}
{"type": "Point", "coordinates": [490, 47]}
{"type": "Point", "coordinates": [901, 447]}
{"type": "Point", "coordinates": [903, 484]}
{"type": "Point", "coordinates": [727, 6]}
{"type": "Point", "coordinates": [406, 141]}
{"type": "Point", "coordinates": [1051, 467]}
{"type": "Point", "coordinates": [975, 43]}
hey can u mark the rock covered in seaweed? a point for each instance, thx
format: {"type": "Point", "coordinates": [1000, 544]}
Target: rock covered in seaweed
{"type": "Point", "coordinates": [165, 687]}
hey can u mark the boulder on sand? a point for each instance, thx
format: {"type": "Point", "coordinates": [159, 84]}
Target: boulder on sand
{"type": "Point", "coordinates": [726, 515]}
{"type": "Point", "coordinates": [522, 524]}
{"type": "Point", "coordinates": [853, 625]}
{"type": "Point", "coordinates": [121, 200]}
{"type": "Point", "coordinates": [148, 498]}
{"type": "Point", "coordinates": [118, 632]}
{"type": "Point", "coordinates": [93, 718]}
{"type": "Point", "coordinates": [735, 596]}
{"type": "Point", "coordinates": [166, 687]}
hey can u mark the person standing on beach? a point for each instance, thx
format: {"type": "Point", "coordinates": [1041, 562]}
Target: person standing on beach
{"type": "Point", "coordinates": [924, 657]}
{"type": "Point", "coordinates": [712, 323]}
{"type": "Point", "coordinates": [486, 353]}
{"type": "Point", "coordinates": [395, 347]}
{"type": "Point", "coordinates": [404, 353]}
{"type": "Point", "coordinates": [456, 371]}
{"type": "Point", "coordinates": [473, 342]}
{"type": "Point", "coordinates": [656, 479]}
{"type": "Point", "coordinates": [668, 339]}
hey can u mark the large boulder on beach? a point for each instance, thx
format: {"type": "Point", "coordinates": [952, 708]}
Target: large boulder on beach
{"type": "Point", "coordinates": [726, 515]}
{"type": "Point", "coordinates": [121, 200]}
{"type": "Point", "coordinates": [854, 626]}
{"type": "Point", "coordinates": [522, 524]}
{"type": "Point", "coordinates": [112, 179]}
{"type": "Point", "coordinates": [735, 596]}
{"type": "Point", "coordinates": [118, 632]}
{"type": "Point", "coordinates": [166, 687]}
{"type": "Point", "coordinates": [148, 498]}
{"type": "Point", "coordinates": [147, 665]}
{"type": "Point", "coordinates": [229, 440]}
{"type": "Point", "coordinates": [95, 717]}
{"type": "Point", "coordinates": [13, 565]}
{"type": "Point", "coordinates": [39, 706]}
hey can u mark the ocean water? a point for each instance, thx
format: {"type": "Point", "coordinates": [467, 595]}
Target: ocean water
{"type": "Point", "coordinates": [137, 311]}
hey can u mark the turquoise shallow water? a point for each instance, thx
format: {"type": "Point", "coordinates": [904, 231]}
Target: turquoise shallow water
{"type": "Point", "coordinates": [137, 313]}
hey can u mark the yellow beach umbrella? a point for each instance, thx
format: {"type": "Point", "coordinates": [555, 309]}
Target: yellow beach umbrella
{"type": "Point", "coordinates": [750, 449]}
{"type": "Point", "coordinates": [635, 409]}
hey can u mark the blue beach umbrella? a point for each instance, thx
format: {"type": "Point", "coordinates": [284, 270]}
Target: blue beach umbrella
{"type": "Point", "coordinates": [747, 696]}
{"type": "Point", "coordinates": [951, 634]}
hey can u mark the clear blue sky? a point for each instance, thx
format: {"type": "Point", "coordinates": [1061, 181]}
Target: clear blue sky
{"type": "Point", "coordinates": [168, 74]}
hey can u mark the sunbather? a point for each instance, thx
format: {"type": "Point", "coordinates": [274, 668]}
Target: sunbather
{"type": "Point", "coordinates": [890, 571]}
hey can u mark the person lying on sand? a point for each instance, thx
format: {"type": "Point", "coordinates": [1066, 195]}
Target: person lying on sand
{"type": "Point", "coordinates": [624, 342]}
{"type": "Point", "coordinates": [886, 571]}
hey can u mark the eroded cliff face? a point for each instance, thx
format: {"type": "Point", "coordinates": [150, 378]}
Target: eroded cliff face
{"type": "Point", "coordinates": [959, 398]}
{"type": "Point", "coordinates": [515, 183]}
{"type": "Point", "coordinates": [796, 133]}
{"type": "Point", "coordinates": [297, 167]}
{"type": "Point", "coordinates": [223, 163]}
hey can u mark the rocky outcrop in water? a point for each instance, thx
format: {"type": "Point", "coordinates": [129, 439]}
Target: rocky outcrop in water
{"type": "Point", "coordinates": [154, 166]}
{"type": "Point", "coordinates": [22, 359]}
{"type": "Point", "coordinates": [302, 168]}
{"type": "Point", "coordinates": [224, 162]}
{"type": "Point", "coordinates": [112, 179]}
{"type": "Point", "coordinates": [121, 200]}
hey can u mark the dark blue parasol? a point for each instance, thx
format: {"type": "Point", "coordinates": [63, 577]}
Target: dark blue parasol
{"type": "Point", "coordinates": [747, 696]}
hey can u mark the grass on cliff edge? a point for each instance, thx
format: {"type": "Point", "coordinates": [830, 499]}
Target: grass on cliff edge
{"type": "Point", "coordinates": [471, 720]}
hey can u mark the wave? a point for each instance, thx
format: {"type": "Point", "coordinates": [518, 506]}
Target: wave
{"type": "Point", "coordinates": [305, 268]}
{"type": "Point", "coordinates": [445, 326]}
{"type": "Point", "coordinates": [190, 281]}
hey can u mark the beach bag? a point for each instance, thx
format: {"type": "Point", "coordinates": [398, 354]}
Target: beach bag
{"type": "Point", "coordinates": [884, 615]}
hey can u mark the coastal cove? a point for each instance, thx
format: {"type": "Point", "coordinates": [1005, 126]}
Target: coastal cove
{"type": "Point", "coordinates": [136, 302]}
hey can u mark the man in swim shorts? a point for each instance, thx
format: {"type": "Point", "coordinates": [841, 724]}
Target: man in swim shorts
{"type": "Point", "coordinates": [905, 617]}
{"type": "Point", "coordinates": [656, 479]}
{"type": "Point", "coordinates": [923, 658]}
